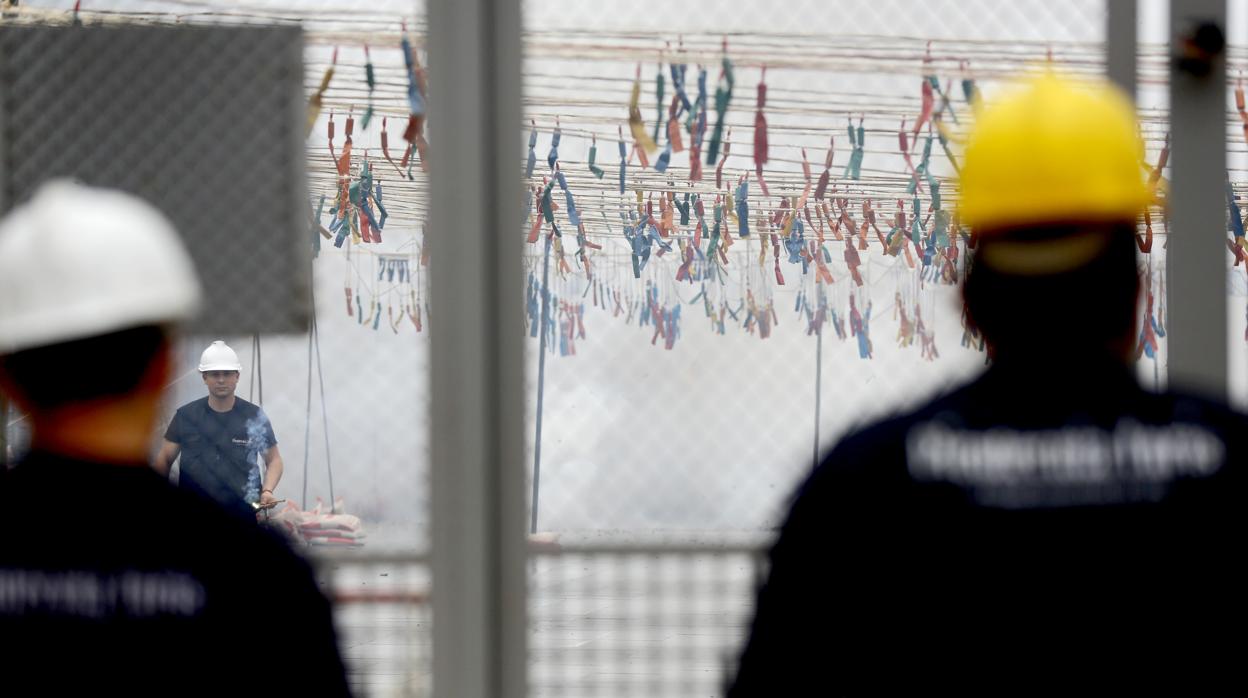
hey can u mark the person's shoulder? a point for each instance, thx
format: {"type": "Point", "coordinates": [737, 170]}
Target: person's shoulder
{"type": "Point", "coordinates": [1180, 406]}
{"type": "Point", "coordinates": [192, 407]}
{"type": "Point", "coordinates": [1183, 404]}
{"type": "Point", "coordinates": [863, 444]}
{"type": "Point", "coordinates": [247, 408]}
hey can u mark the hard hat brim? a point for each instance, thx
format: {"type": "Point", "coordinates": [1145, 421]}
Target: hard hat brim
{"type": "Point", "coordinates": [1022, 256]}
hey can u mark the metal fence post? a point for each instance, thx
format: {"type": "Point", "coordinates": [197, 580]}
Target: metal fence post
{"type": "Point", "coordinates": [477, 444]}
{"type": "Point", "coordinates": [1196, 255]}
{"type": "Point", "coordinates": [1120, 39]}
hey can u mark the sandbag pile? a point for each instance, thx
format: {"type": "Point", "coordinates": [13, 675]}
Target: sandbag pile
{"type": "Point", "coordinates": [318, 527]}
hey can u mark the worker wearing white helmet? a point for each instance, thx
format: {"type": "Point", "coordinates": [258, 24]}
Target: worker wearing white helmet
{"type": "Point", "coordinates": [112, 580]}
{"type": "Point", "coordinates": [220, 437]}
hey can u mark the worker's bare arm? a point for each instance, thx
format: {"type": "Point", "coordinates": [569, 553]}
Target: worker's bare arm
{"type": "Point", "coordinates": [165, 456]}
{"type": "Point", "coordinates": [272, 474]}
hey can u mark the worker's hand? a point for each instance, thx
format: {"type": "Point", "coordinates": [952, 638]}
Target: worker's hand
{"type": "Point", "coordinates": [267, 499]}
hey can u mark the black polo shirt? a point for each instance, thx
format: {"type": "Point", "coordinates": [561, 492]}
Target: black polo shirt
{"type": "Point", "coordinates": [220, 451]}
{"type": "Point", "coordinates": [113, 582]}
{"type": "Point", "coordinates": [1046, 528]}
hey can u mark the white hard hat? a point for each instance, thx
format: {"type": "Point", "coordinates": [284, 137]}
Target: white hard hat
{"type": "Point", "coordinates": [76, 262]}
{"type": "Point", "coordinates": [219, 357]}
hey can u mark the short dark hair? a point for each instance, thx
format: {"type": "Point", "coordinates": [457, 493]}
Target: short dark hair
{"type": "Point", "coordinates": [1093, 304]}
{"type": "Point", "coordinates": [84, 369]}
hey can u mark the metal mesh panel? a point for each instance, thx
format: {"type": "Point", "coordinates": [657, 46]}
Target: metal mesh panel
{"type": "Point", "coordinates": [715, 431]}
{"type": "Point", "coordinates": [348, 404]}
{"type": "Point", "coordinates": [201, 121]}
{"type": "Point", "coordinates": [1152, 101]}
{"type": "Point", "coordinates": [701, 441]}
{"type": "Point", "coordinates": [643, 621]}
{"type": "Point", "coordinates": [1237, 166]}
{"type": "Point", "coordinates": [701, 435]}
{"type": "Point", "coordinates": [382, 615]}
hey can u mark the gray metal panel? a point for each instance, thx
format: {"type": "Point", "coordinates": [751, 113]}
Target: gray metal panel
{"type": "Point", "coordinates": [205, 122]}
{"type": "Point", "coordinates": [1120, 39]}
{"type": "Point", "coordinates": [1196, 257]}
{"type": "Point", "coordinates": [477, 374]}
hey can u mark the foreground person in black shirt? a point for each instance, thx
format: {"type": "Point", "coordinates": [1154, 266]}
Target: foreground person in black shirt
{"type": "Point", "coordinates": [112, 581]}
{"type": "Point", "coordinates": [1051, 526]}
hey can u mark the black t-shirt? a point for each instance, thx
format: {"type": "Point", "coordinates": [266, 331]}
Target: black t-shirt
{"type": "Point", "coordinates": [219, 450]}
{"type": "Point", "coordinates": [113, 582]}
{"type": "Point", "coordinates": [1032, 531]}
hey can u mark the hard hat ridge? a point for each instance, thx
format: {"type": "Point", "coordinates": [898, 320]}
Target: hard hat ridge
{"type": "Point", "coordinates": [78, 261]}
{"type": "Point", "coordinates": [219, 357]}
{"type": "Point", "coordinates": [1053, 149]}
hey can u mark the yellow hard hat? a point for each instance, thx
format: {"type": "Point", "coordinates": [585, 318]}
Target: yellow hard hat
{"type": "Point", "coordinates": [1053, 149]}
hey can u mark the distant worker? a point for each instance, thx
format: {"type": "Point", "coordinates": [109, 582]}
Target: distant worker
{"type": "Point", "coordinates": [1050, 527]}
{"type": "Point", "coordinates": [220, 437]}
{"type": "Point", "coordinates": [113, 582]}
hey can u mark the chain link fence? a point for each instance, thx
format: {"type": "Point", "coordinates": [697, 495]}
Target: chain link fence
{"type": "Point", "coordinates": [685, 391]}
{"type": "Point", "coordinates": [277, 249]}
{"type": "Point", "coordinates": [680, 401]}
{"type": "Point", "coordinates": [1237, 166]}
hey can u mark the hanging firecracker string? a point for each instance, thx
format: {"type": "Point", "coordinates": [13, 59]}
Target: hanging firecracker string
{"type": "Point", "coordinates": [743, 206]}
{"type": "Point", "coordinates": [623, 160]}
{"type": "Point", "coordinates": [385, 147]}
{"type": "Point", "coordinates": [317, 230]}
{"type": "Point", "coordinates": [1237, 241]}
{"type": "Point", "coordinates": [1149, 333]}
{"type": "Point", "coordinates": [697, 129]}
{"type": "Point", "coordinates": [853, 169]}
{"type": "Point", "coordinates": [927, 99]}
{"type": "Point", "coordinates": [536, 206]}
{"type": "Point", "coordinates": [760, 133]}
{"type": "Point", "coordinates": [318, 97]}
{"type": "Point", "coordinates": [970, 92]}
{"type": "Point", "coordinates": [903, 144]}
{"type": "Point", "coordinates": [927, 338]}
{"type": "Point", "coordinates": [593, 154]}
{"type": "Point", "coordinates": [370, 80]}
{"type": "Point", "coordinates": [719, 169]}
{"type": "Point", "coordinates": [673, 125]}
{"type": "Point", "coordinates": [555, 137]}
{"type": "Point", "coordinates": [860, 327]}
{"type": "Point", "coordinates": [942, 134]}
{"type": "Point", "coordinates": [339, 214]}
{"type": "Point", "coordinates": [822, 186]}
{"type": "Point", "coordinates": [347, 286]}
{"type": "Point", "coordinates": [416, 91]}
{"type": "Point", "coordinates": [935, 243]}
{"type": "Point", "coordinates": [665, 157]}
{"type": "Point", "coordinates": [642, 143]}
{"type": "Point", "coordinates": [853, 261]}
{"type": "Point", "coordinates": [532, 161]}
{"type": "Point", "coordinates": [658, 92]}
{"type": "Point", "coordinates": [1145, 243]}
{"type": "Point", "coordinates": [775, 253]}
{"type": "Point", "coordinates": [723, 95]}
{"type": "Point", "coordinates": [678, 72]}
{"type": "Point", "coordinates": [905, 330]}
{"type": "Point", "coordinates": [1239, 105]}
